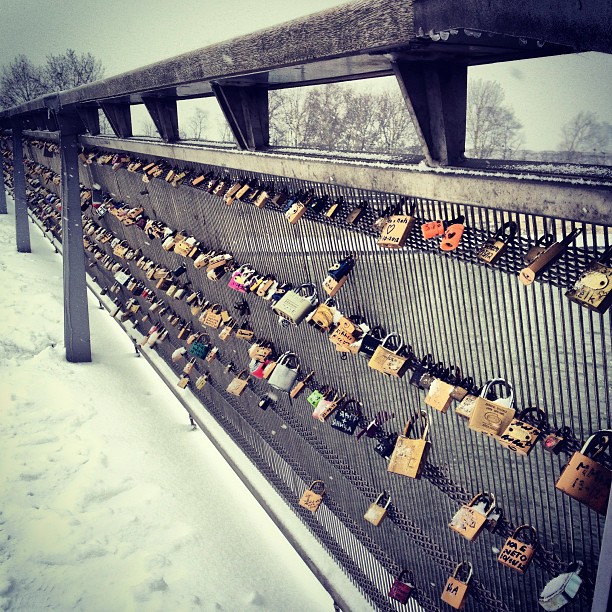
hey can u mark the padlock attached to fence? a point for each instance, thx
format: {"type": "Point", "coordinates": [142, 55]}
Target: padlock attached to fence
{"type": "Point", "coordinates": [377, 510]}
{"type": "Point", "coordinates": [387, 361]}
{"type": "Point", "coordinates": [516, 553]}
{"type": "Point", "coordinates": [585, 479]}
{"type": "Point", "coordinates": [494, 247]}
{"type": "Point", "coordinates": [555, 442]}
{"type": "Point", "coordinates": [294, 306]}
{"type": "Point", "coordinates": [524, 430]}
{"type": "Point", "coordinates": [285, 372]}
{"type": "Point", "coordinates": [409, 454]}
{"type": "Point", "coordinates": [562, 588]}
{"type": "Point", "coordinates": [493, 417]}
{"type": "Point", "coordinates": [593, 289]}
{"type": "Point", "coordinates": [439, 395]}
{"type": "Point", "coordinates": [396, 229]}
{"type": "Point", "coordinates": [469, 519]}
{"type": "Point", "coordinates": [453, 234]}
{"type": "Point", "coordinates": [347, 417]}
{"type": "Point", "coordinates": [456, 588]}
{"type": "Point", "coordinates": [313, 496]}
{"type": "Point", "coordinates": [238, 384]}
{"type": "Point", "coordinates": [402, 587]}
{"type": "Point", "coordinates": [337, 275]}
{"type": "Point", "coordinates": [326, 406]}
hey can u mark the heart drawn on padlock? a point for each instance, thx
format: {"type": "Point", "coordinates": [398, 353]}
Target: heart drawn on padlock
{"type": "Point", "coordinates": [389, 228]}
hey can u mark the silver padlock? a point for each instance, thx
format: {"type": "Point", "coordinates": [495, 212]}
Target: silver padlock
{"type": "Point", "coordinates": [562, 588]}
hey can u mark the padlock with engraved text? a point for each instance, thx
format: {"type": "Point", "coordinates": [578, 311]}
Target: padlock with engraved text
{"type": "Point", "coordinates": [313, 496]}
{"type": "Point", "coordinates": [347, 417]}
{"type": "Point", "coordinates": [593, 289]}
{"type": "Point", "coordinates": [409, 453]}
{"type": "Point", "coordinates": [471, 518]}
{"type": "Point", "coordinates": [493, 416]}
{"type": "Point", "coordinates": [540, 258]}
{"type": "Point", "coordinates": [516, 553]}
{"type": "Point", "coordinates": [397, 228]}
{"type": "Point", "coordinates": [585, 479]}
{"type": "Point", "coordinates": [524, 430]}
{"type": "Point", "coordinates": [493, 248]}
{"type": "Point", "coordinates": [456, 588]}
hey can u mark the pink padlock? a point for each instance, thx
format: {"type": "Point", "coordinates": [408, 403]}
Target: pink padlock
{"type": "Point", "coordinates": [400, 590]}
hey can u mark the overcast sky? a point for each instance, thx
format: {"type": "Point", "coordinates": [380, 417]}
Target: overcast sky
{"type": "Point", "coordinates": [544, 93]}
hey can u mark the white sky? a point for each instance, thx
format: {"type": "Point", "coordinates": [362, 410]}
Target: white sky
{"type": "Point", "coordinates": [544, 93]}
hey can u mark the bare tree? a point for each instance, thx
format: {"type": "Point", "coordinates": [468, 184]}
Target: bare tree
{"type": "Point", "coordinates": [288, 117]}
{"type": "Point", "coordinates": [68, 70]}
{"type": "Point", "coordinates": [197, 124]}
{"type": "Point", "coordinates": [584, 134]}
{"type": "Point", "coordinates": [147, 128]}
{"type": "Point", "coordinates": [21, 80]}
{"type": "Point", "coordinates": [395, 129]}
{"type": "Point", "coordinates": [492, 128]}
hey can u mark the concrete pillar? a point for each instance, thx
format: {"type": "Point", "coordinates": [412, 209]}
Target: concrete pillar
{"type": "Point", "coordinates": [76, 314]}
{"type": "Point", "coordinates": [120, 118]}
{"type": "Point", "coordinates": [164, 114]}
{"type": "Point", "coordinates": [22, 227]}
{"type": "Point", "coordinates": [436, 97]}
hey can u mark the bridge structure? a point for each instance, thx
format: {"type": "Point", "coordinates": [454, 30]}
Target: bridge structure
{"type": "Point", "coordinates": [462, 320]}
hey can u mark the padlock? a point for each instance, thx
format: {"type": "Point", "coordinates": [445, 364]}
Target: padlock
{"type": "Point", "coordinates": [432, 229]}
{"type": "Point", "coordinates": [456, 589]}
{"type": "Point", "coordinates": [347, 417]}
{"type": "Point", "coordinates": [516, 554]}
{"type": "Point", "coordinates": [342, 268]}
{"type": "Point", "coordinates": [334, 208]}
{"type": "Point", "coordinates": [327, 406]}
{"type": "Point", "coordinates": [439, 395]}
{"type": "Point", "coordinates": [469, 520]}
{"type": "Point", "coordinates": [201, 381]}
{"type": "Point", "coordinates": [409, 454]}
{"type": "Point", "coordinates": [316, 396]}
{"type": "Point", "coordinates": [419, 369]}
{"type": "Point", "coordinates": [178, 354]}
{"type": "Point", "coordinates": [493, 248]}
{"type": "Point", "coordinates": [401, 588]}
{"type": "Point", "coordinates": [562, 588]}
{"type": "Point", "coordinates": [389, 362]}
{"type": "Point", "coordinates": [538, 259]}
{"type": "Point", "coordinates": [586, 480]}
{"type": "Point", "coordinates": [189, 366]}
{"type": "Point", "coordinates": [357, 213]}
{"type": "Point", "coordinates": [311, 500]}
{"type": "Point", "coordinates": [377, 511]}
{"type": "Point", "coordinates": [395, 231]}
{"type": "Point", "coordinates": [452, 235]}
{"type": "Point", "coordinates": [183, 381]}
{"type": "Point", "coordinates": [493, 417]}
{"type": "Point", "coordinates": [386, 445]}
{"type": "Point", "coordinates": [523, 432]}
{"type": "Point", "coordinates": [285, 372]}
{"type": "Point", "coordinates": [593, 289]}
{"type": "Point", "coordinates": [294, 306]}
{"type": "Point", "coordinates": [555, 442]}
{"type": "Point", "coordinates": [299, 386]}
{"type": "Point", "coordinates": [493, 519]}
{"type": "Point", "coordinates": [295, 212]}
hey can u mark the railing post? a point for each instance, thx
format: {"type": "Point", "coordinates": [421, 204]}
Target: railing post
{"type": "Point", "coordinates": [76, 313]}
{"type": "Point", "coordinates": [22, 227]}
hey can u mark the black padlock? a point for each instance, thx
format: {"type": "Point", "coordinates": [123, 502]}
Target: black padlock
{"type": "Point", "coordinates": [265, 402]}
{"type": "Point", "coordinates": [384, 447]}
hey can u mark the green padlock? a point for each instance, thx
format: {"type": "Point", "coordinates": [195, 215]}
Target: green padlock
{"type": "Point", "coordinates": [315, 397]}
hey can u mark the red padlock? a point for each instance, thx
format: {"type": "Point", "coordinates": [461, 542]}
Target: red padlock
{"type": "Point", "coordinates": [453, 234]}
{"type": "Point", "coordinates": [400, 590]}
{"type": "Point", "coordinates": [432, 229]}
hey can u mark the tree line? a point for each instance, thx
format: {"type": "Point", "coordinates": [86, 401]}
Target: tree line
{"type": "Point", "coordinates": [332, 117]}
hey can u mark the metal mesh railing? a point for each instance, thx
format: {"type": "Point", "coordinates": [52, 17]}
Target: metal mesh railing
{"type": "Point", "coordinates": [448, 305]}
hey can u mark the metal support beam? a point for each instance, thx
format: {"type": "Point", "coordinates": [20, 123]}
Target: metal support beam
{"type": "Point", "coordinates": [119, 116]}
{"type": "Point", "coordinates": [76, 314]}
{"type": "Point", "coordinates": [22, 227]}
{"type": "Point", "coordinates": [90, 117]}
{"type": "Point", "coordinates": [436, 96]}
{"type": "Point", "coordinates": [601, 597]}
{"type": "Point", "coordinates": [246, 111]}
{"type": "Point", "coordinates": [164, 114]}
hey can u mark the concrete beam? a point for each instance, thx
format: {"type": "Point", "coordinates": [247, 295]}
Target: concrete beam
{"type": "Point", "coordinates": [119, 117]}
{"type": "Point", "coordinates": [164, 114]}
{"type": "Point", "coordinates": [436, 96]}
{"type": "Point", "coordinates": [22, 227]}
{"type": "Point", "coordinates": [76, 315]}
{"type": "Point", "coordinates": [246, 110]}
{"type": "Point", "coordinates": [90, 116]}
{"type": "Point", "coordinates": [527, 190]}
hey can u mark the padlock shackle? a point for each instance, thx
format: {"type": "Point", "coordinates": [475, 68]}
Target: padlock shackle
{"type": "Point", "coordinates": [571, 237]}
{"type": "Point", "coordinates": [383, 494]}
{"type": "Point", "coordinates": [422, 415]}
{"type": "Point", "coordinates": [393, 335]}
{"type": "Point", "coordinates": [486, 495]}
{"type": "Point", "coordinates": [353, 405]}
{"type": "Point", "coordinates": [498, 381]}
{"type": "Point", "coordinates": [531, 529]}
{"type": "Point", "coordinates": [470, 572]}
{"type": "Point", "coordinates": [305, 287]}
{"type": "Point", "coordinates": [533, 410]}
{"type": "Point", "coordinates": [602, 433]}
{"type": "Point", "coordinates": [286, 357]}
{"type": "Point", "coordinates": [315, 482]}
{"type": "Point", "coordinates": [406, 573]}
{"type": "Point", "coordinates": [507, 231]}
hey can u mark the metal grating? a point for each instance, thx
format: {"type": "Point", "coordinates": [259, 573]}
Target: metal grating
{"type": "Point", "coordinates": [449, 306]}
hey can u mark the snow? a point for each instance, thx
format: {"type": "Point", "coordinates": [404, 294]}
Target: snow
{"type": "Point", "coordinates": [109, 500]}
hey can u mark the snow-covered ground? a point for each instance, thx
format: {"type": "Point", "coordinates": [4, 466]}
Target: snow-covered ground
{"type": "Point", "coordinates": [108, 500]}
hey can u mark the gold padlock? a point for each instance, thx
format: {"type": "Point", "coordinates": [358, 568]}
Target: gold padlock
{"type": "Point", "coordinates": [311, 500]}
{"type": "Point", "coordinates": [455, 590]}
{"type": "Point", "coordinates": [586, 480]}
{"type": "Point", "coordinates": [493, 248]}
{"type": "Point", "coordinates": [593, 289]}
{"type": "Point", "coordinates": [469, 519]}
{"type": "Point", "coordinates": [522, 433]}
{"type": "Point", "coordinates": [517, 554]}
{"type": "Point", "coordinates": [376, 513]}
